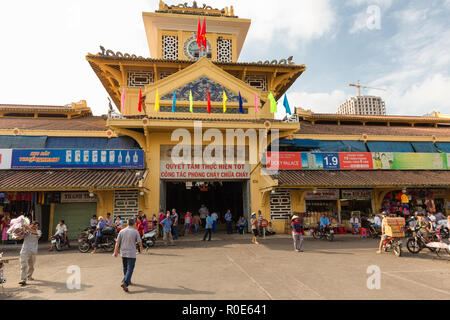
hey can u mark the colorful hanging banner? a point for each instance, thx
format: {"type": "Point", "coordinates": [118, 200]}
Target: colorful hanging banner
{"type": "Point", "coordinates": [225, 99]}
{"type": "Point", "coordinates": [157, 101]}
{"type": "Point", "coordinates": [191, 102]}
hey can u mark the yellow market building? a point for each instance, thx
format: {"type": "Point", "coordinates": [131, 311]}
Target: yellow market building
{"type": "Point", "coordinates": [177, 67]}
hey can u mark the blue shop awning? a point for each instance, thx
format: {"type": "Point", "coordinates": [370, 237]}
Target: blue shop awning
{"type": "Point", "coordinates": [326, 146]}
{"type": "Point", "coordinates": [22, 142]}
{"type": "Point", "coordinates": [443, 146]}
{"type": "Point", "coordinates": [424, 147]}
{"type": "Point", "coordinates": [389, 146]}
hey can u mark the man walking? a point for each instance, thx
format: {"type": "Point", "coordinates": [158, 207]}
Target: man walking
{"type": "Point", "coordinates": [203, 211]}
{"type": "Point", "coordinates": [167, 229]}
{"type": "Point", "coordinates": [174, 218]}
{"type": "Point", "coordinates": [208, 226]}
{"type": "Point", "coordinates": [297, 233]}
{"type": "Point", "coordinates": [127, 240]}
{"type": "Point", "coordinates": [228, 221]}
{"type": "Point", "coordinates": [29, 252]}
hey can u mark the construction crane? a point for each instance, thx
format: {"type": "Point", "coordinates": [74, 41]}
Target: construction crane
{"type": "Point", "coordinates": [359, 86]}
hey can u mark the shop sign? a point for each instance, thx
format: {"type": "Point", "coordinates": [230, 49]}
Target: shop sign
{"type": "Point", "coordinates": [71, 197]}
{"type": "Point", "coordinates": [362, 161]}
{"type": "Point", "coordinates": [362, 194]}
{"type": "Point", "coordinates": [77, 159]}
{"type": "Point", "coordinates": [171, 171]}
{"type": "Point", "coordinates": [284, 161]}
{"type": "Point", "coordinates": [5, 158]}
{"type": "Point", "coordinates": [332, 194]}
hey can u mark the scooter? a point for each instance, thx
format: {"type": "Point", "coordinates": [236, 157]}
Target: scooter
{"type": "Point", "coordinates": [59, 243]}
{"type": "Point", "coordinates": [149, 239]}
{"type": "Point", "coordinates": [327, 233]}
{"type": "Point", "coordinates": [395, 244]}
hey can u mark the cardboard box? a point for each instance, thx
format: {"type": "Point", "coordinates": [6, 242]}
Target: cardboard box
{"type": "Point", "coordinates": [395, 227]}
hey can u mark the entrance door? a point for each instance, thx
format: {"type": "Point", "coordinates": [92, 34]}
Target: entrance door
{"type": "Point", "coordinates": [217, 196]}
{"type": "Point", "coordinates": [75, 215]}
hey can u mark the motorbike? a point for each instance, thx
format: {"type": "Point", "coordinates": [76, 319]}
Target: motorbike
{"type": "Point", "coordinates": [86, 240]}
{"type": "Point", "coordinates": [395, 244]}
{"type": "Point", "coordinates": [59, 243]}
{"type": "Point", "coordinates": [149, 239]}
{"type": "Point", "coordinates": [416, 243]}
{"type": "Point", "coordinates": [326, 234]}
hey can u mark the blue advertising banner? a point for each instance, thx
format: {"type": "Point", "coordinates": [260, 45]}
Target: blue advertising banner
{"type": "Point", "coordinates": [327, 161]}
{"type": "Point", "coordinates": [76, 159]}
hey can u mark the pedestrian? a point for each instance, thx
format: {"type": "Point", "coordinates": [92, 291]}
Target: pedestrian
{"type": "Point", "coordinates": [98, 234]}
{"type": "Point", "coordinates": [196, 223]}
{"type": "Point", "coordinates": [127, 240]}
{"type": "Point", "coordinates": [174, 218]}
{"type": "Point", "coordinates": [29, 252]}
{"type": "Point", "coordinates": [5, 226]}
{"type": "Point", "coordinates": [208, 226]}
{"type": "Point", "coordinates": [215, 217]}
{"type": "Point", "coordinates": [108, 220]}
{"type": "Point", "coordinates": [297, 233]}
{"type": "Point", "coordinates": [254, 224]}
{"type": "Point", "coordinates": [166, 223]}
{"type": "Point", "coordinates": [161, 218]}
{"type": "Point", "coordinates": [260, 219]}
{"type": "Point", "coordinates": [203, 211]}
{"type": "Point", "coordinates": [187, 222]}
{"type": "Point", "coordinates": [229, 221]}
{"type": "Point", "coordinates": [145, 224]}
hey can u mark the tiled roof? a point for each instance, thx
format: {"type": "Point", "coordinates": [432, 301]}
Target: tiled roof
{"type": "Point", "coordinates": [67, 179]}
{"type": "Point", "coordinates": [363, 178]}
{"type": "Point", "coordinates": [344, 129]}
{"type": "Point", "coordinates": [151, 60]}
{"type": "Point", "coordinates": [373, 117]}
{"type": "Point", "coordinates": [83, 123]}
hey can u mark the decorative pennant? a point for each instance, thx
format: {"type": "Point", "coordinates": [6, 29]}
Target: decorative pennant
{"type": "Point", "coordinates": [241, 106]}
{"type": "Point", "coordinates": [256, 103]}
{"type": "Point", "coordinates": [140, 101]}
{"type": "Point", "coordinates": [209, 101]}
{"type": "Point", "coordinates": [157, 101]}
{"type": "Point", "coordinates": [191, 101]}
{"type": "Point", "coordinates": [225, 99]}
{"type": "Point", "coordinates": [174, 103]}
{"type": "Point", "coordinates": [286, 105]}
{"type": "Point", "coordinates": [273, 103]}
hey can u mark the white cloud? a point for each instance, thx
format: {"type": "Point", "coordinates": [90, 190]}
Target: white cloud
{"type": "Point", "coordinates": [294, 22]}
{"type": "Point", "coordinates": [385, 4]}
{"type": "Point", "coordinates": [317, 102]}
{"type": "Point", "coordinates": [431, 94]}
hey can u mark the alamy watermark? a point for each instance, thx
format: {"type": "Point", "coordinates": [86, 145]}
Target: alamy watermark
{"type": "Point", "coordinates": [73, 282]}
{"type": "Point", "coordinates": [374, 280]}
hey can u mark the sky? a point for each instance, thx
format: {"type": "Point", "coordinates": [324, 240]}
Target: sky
{"type": "Point", "coordinates": [401, 46]}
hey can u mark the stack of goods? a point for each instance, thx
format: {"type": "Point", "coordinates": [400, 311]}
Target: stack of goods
{"type": "Point", "coordinates": [16, 229]}
{"type": "Point", "coordinates": [395, 227]}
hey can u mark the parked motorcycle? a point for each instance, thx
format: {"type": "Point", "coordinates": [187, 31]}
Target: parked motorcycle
{"type": "Point", "coordinates": [416, 243]}
{"type": "Point", "coordinates": [59, 243]}
{"type": "Point", "coordinates": [149, 239]}
{"type": "Point", "coordinates": [86, 240]}
{"type": "Point", "coordinates": [326, 234]}
{"type": "Point", "coordinates": [395, 244]}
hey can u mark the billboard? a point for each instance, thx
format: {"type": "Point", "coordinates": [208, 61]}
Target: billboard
{"type": "Point", "coordinates": [360, 161]}
{"type": "Point", "coordinates": [76, 159]}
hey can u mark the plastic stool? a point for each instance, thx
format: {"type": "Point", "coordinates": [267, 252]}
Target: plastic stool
{"type": "Point", "coordinates": [343, 230]}
{"type": "Point", "coordinates": [364, 233]}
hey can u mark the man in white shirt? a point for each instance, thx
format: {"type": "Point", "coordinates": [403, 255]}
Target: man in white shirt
{"type": "Point", "coordinates": [29, 252]}
{"type": "Point", "coordinates": [61, 231]}
{"type": "Point", "coordinates": [203, 211]}
{"type": "Point", "coordinates": [215, 217]}
{"type": "Point", "coordinates": [93, 222]}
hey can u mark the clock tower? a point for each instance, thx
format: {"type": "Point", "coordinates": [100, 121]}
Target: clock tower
{"type": "Point", "coordinates": [172, 32]}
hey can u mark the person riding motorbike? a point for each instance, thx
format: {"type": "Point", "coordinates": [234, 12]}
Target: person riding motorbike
{"type": "Point", "coordinates": [424, 227]}
{"type": "Point", "coordinates": [324, 222]}
{"type": "Point", "coordinates": [61, 231]}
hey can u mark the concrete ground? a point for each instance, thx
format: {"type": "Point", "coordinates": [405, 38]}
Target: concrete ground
{"type": "Point", "coordinates": [230, 267]}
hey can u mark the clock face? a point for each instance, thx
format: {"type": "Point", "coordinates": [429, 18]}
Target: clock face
{"type": "Point", "coordinates": [192, 51]}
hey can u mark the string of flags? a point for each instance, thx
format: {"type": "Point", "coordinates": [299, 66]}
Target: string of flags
{"type": "Point", "coordinates": [273, 102]}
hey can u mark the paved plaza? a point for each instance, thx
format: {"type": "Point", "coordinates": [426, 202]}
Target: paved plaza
{"type": "Point", "coordinates": [230, 267]}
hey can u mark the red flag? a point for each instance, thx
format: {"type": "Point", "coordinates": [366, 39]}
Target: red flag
{"type": "Point", "coordinates": [209, 102]}
{"type": "Point", "coordinates": [204, 34]}
{"type": "Point", "coordinates": [140, 101]}
{"type": "Point", "coordinates": [199, 35]}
